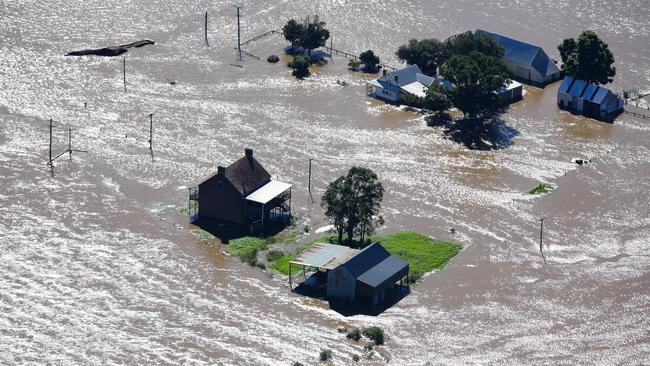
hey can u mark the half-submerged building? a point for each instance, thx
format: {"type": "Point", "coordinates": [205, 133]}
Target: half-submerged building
{"type": "Point", "coordinates": [243, 193]}
{"type": "Point", "coordinates": [588, 99]}
{"type": "Point", "coordinates": [360, 277]}
{"type": "Point", "coordinates": [528, 63]}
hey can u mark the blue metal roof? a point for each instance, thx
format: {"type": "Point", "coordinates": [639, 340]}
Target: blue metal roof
{"type": "Point", "coordinates": [524, 53]}
{"type": "Point", "coordinates": [383, 271]}
{"type": "Point", "coordinates": [566, 84]}
{"type": "Point", "coordinates": [586, 91]}
{"type": "Point", "coordinates": [366, 259]}
{"type": "Point", "coordinates": [374, 265]}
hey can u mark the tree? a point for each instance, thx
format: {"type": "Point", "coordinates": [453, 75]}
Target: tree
{"type": "Point", "coordinates": [436, 100]}
{"type": "Point", "coordinates": [352, 203]}
{"type": "Point", "coordinates": [354, 65]}
{"type": "Point", "coordinates": [369, 60]}
{"type": "Point", "coordinates": [566, 48]}
{"type": "Point", "coordinates": [300, 65]}
{"type": "Point", "coordinates": [476, 76]}
{"type": "Point", "coordinates": [591, 61]}
{"type": "Point", "coordinates": [315, 35]}
{"type": "Point", "coordinates": [468, 42]}
{"type": "Point", "coordinates": [293, 31]}
{"type": "Point", "coordinates": [428, 54]}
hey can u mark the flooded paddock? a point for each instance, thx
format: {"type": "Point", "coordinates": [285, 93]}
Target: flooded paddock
{"type": "Point", "coordinates": [97, 265]}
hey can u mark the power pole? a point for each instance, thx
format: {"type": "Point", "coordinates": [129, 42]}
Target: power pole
{"type": "Point", "coordinates": [309, 181]}
{"type": "Point", "coordinates": [206, 29]}
{"type": "Point", "coordinates": [238, 32]}
{"type": "Point", "coordinates": [541, 231]}
{"type": "Point", "coordinates": [150, 131]}
{"type": "Point", "coordinates": [124, 71]}
{"type": "Point", "coordinates": [49, 162]}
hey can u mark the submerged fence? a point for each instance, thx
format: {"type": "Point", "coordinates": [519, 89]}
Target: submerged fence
{"type": "Point", "coordinates": [332, 50]}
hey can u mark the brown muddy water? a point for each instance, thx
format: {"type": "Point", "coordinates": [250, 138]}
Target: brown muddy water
{"type": "Point", "coordinates": [97, 266]}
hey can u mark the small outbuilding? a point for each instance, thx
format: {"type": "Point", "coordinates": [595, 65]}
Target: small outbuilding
{"type": "Point", "coordinates": [243, 193]}
{"type": "Point", "coordinates": [588, 99]}
{"type": "Point", "coordinates": [527, 62]}
{"type": "Point", "coordinates": [361, 277]}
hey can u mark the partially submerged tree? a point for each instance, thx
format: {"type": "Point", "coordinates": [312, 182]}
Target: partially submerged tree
{"type": "Point", "coordinates": [476, 77]}
{"type": "Point", "coordinates": [300, 65]}
{"type": "Point", "coordinates": [468, 42]}
{"type": "Point", "coordinates": [293, 31]}
{"type": "Point", "coordinates": [591, 60]}
{"type": "Point", "coordinates": [436, 100]}
{"type": "Point", "coordinates": [315, 34]}
{"type": "Point", "coordinates": [428, 54]}
{"type": "Point", "coordinates": [352, 203]}
{"type": "Point", "coordinates": [566, 48]}
{"type": "Point", "coordinates": [369, 60]}
{"type": "Point", "coordinates": [354, 65]}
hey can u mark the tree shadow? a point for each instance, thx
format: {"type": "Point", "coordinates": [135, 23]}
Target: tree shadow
{"type": "Point", "coordinates": [482, 133]}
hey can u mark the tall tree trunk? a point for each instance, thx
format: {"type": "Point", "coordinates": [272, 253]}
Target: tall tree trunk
{"type": "Point", "coordinates": [340, 232]}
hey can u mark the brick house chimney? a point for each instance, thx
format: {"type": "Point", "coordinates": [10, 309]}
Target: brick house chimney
{"type": "Point", "coordinates": [249, 154]}
{"type": "Point", "coordinates": [221, 171]}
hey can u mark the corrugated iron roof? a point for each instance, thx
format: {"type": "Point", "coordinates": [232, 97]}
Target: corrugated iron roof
{"type": "Point", "coordinates": [325, 256]}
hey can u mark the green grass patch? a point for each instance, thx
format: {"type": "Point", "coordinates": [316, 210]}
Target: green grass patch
{"type": "Point", "coordinates": [243, 247]}
{"type": "Point", "coordinates": [191, 205]}
{"type": "Point", "coordinates": [541, 188]}
{"type": "Point", "coordinates": [422, 253]}
{"type": "Point", "coordinates": [202, 234]}
{"type": "Point", "coordinates": [282, 265]}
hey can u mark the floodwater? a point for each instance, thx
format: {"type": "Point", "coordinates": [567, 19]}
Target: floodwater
{"type": "Point", "coordinates": [97, 266]}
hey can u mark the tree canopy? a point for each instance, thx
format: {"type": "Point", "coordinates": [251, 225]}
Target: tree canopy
{"type": "Point", "coordinates": [566, 48]}
{"type": "Point", "coordinates": [293, 31]}
{"type": "Point", "coordinates": [315, 35]}
{"type": "Point", "coordinates": [476, 76]}
{"type": "Point", "coordinates": [436, 100]}
{"type": "Point", "coordinates": [310, 35]}
{"type": "Point", "coordinates": [591, 60]}
{"type": "Point", "coordinates": [468, 42]}
{"type": "Point", "coordinates": [369, 60]}
{"type": "Point", "coordinates": [352, 203]}
{"type": "Point", "coordinates": [428, 54]}
{"type": "Point", "coordinates": [300, 65]}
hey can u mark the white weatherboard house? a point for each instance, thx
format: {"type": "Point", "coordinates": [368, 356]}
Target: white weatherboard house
{"type": "Point", "coordinates": [588, 99]}
{"type": "Point", "coordinates": [392, 86]}
{"type": "Point", "coordinates": [528, 63]}
{"type": "Point", "coordinates": [410, 80]}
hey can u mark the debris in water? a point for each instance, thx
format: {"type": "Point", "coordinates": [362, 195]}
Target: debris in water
{"type": "Point", "coordinates": [273, 59]}
{"type": "Point", "coordinates": [111, 51]}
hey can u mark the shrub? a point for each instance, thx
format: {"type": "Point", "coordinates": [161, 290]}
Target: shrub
{"type": "Point", "coordinates": [414, 277]}
{"type": "Point", "coordinates": [368, 346]}
{"type": "Point", "coordinates": [306, 228]}
{"type": "Point", "coordinates": [354, 334]}
{"type": "Point", "coordinates": [356, 358]}
{"type": "Point", "coordinates": [297, 364]}
{"type": "Point", "coordinates": [250, 257]}
{"type": "Point", "coordinates": [412, 100]}
{"type": "Point", "coordinates": [342, 330]}
{"type": "Point", "coordinates": [300, 65]}
{"type": "Point", "coordinates": [541, 188]}
{"type": "Point", "coordinates": [325, 355]}
{"type": "Point", "coordinates": [376, 334]}
{"type": "Point", "coordinates": [354, 65]}
{"type": "Point", "coordinates": [272, 255]}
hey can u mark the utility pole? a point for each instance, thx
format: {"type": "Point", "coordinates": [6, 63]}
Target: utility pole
{"type": "Point", "coordinates": [309, 181]}
{"type": "Point", "coordinates": [238, 32]}
{"type": "Point", "coordinates": [51, 126]}
{"type": "Point", "coordinates": [332, 49]}
{"type": "Point", "coordinates": [541, 231]}
{"type": "Point", "coordinates": [150, 131]}
{"type": "Point", "coordinates": [206, 29]}
{"type": "Point", "coordinates": [124, 71]}
{"type": "Point", "coordinates": [70, 141]}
